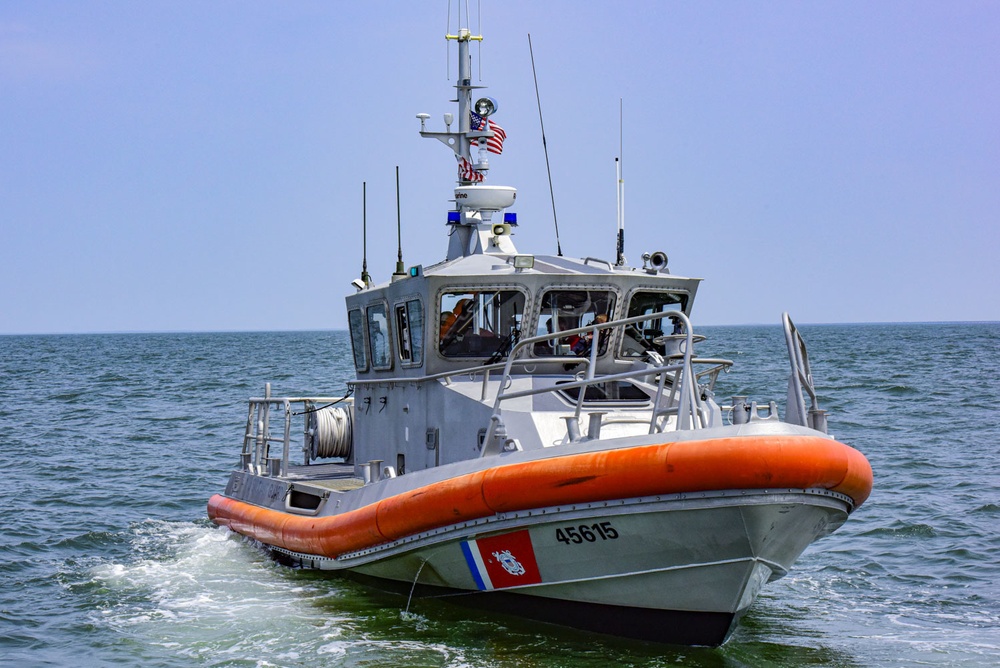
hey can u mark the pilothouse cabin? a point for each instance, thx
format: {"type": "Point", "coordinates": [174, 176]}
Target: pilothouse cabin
{"type": "Point", "coordinates": [428, 348]}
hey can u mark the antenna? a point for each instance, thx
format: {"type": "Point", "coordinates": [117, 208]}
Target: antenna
{"type": "Point", "coordinates": [545, 147]}
{"type": "Point", "coordinates": [365, 277]}
{"type": "Point", "coordinates": [620, 243]}
{"type": "Point", "coordinates": [620, 167]}
{"type": "Point", "coordinates": [468, 20]}
{"type": "Point", "coordinates": [399, 235]}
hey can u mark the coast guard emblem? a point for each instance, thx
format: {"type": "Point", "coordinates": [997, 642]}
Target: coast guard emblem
{"type": "Point", "coordinates": [509, 563]}
{"type": "Point", "coordinates": [493, 564]}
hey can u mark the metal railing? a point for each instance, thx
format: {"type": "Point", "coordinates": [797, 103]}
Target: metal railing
{"type": "Point", "coordinates": [255, 455]}
{"type": "Point", "coordinates": [683, 401]}
{"type": "Point", "coordinates": [799, 381]}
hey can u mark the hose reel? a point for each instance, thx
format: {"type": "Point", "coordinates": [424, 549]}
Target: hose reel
{"type": "Point", "coordinates": [330, 432]}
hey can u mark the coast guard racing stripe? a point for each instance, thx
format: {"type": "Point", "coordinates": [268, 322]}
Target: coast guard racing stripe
{"type": "Point", "coordinates": [498, 562]}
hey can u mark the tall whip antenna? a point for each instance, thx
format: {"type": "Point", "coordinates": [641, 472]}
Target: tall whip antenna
{"type": "Point", "coordinates": [545, 148]}
{"type": "Point", "coordinates": [365, 276]}
{"type": "Point", "coordinates": [620, 165]}
{"type": "Point", "coordinates": [399, 234]}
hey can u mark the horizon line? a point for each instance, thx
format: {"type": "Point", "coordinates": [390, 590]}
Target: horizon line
{"type": "Point", "coordinates": [344, 329]}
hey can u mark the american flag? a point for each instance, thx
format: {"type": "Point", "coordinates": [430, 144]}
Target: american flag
{"type": "Point", "coordinates": [466, 172]}
{"type": "Point", "coordinates": [494, 144]}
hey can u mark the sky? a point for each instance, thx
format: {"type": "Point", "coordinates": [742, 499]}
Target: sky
{"type": "Point", "coordinates": [198, 166]}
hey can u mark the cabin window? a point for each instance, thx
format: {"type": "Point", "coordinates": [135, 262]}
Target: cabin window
{"type": "Point", "coordinates": [642, 336]}
{"type": "Point", "coordinates": [410, 332]}
{"type": "Point", "coordinates": [480, 323]}
{"type": "Point", "coordinates": [562, 310]}
{"type": "Point", "coordinates": [378, 337]}
{"type": "Point", "coordinates": [356, 322]}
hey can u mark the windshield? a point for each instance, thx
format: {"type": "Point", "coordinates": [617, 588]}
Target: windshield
{"type": "Point", "coordinates": [642, 336]}
{"type": "Point", "coordinates": [479, 323]}
{"type": "Point", "coordinates": [563, 310]}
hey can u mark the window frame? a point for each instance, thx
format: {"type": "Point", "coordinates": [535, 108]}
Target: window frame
{"type": "Point", "coordinates": [476, 290]}
{"type": "Point", "coordinates": [685, 301]}
{"type": "Point", "coordinates": [363, 340]}
{"type": "Point", "coordinates": [387, 314]}
{"type": "Point", "coordinates": [606, 344]}
{"type": "Point", "coordinates": [415, 345]}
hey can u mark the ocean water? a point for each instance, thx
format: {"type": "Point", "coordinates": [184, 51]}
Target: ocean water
{"type": "Point", "coordinates": [111, 445]}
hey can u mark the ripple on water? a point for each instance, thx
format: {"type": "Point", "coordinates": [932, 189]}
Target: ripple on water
{"type": "Point", "coordinates": [126, 436]}
{"type": "Point", "coordinates": [902, 530]}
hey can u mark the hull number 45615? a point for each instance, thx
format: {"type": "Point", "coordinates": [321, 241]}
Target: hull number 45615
{"type": "Point", "coordinates": [586, 533]}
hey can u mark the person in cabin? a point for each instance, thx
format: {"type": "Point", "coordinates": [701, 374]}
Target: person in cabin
{"type": "Point", "coordinates": [569, 322]}
{"type": "Point", "coordinates": [380, 348]}
{"type": "Point", "coordinates": [455, 326]}
{"type": "Point", "coordinates": [463, 313]}
{"type": "Point", "coordinates": [448, 319]}
{"type": "Point", "coordinates": [581, 347]}
{"type": "Point", "coordinates": [452, 321]}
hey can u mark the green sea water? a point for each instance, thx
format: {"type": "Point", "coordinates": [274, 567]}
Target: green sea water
{"type": "Point", "coordinates": [112, 444]}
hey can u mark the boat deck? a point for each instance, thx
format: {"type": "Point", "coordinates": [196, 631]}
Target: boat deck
{"type": "Point", "coordinates": [338, 477]}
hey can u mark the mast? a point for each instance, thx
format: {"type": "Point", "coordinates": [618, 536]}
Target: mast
{"type": "Point", "coordinates": [471, 228]}
{"type": "Point", "coordinates": [464, 88]}
{"type": "Point", "coordinates": [462, 140]}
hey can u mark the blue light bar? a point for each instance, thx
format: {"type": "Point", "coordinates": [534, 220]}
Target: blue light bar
{"type": "Point", "coordinates": [510, 218]}
{"type": "Point", "coordinates": [454, 217]}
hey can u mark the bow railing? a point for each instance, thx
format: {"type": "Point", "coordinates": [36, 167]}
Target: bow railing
{"type": "Point", "coordinates": [683, 399]}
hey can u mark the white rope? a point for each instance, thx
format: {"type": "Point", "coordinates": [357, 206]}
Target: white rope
{"type": "Point", "coordinates": [331, 432]}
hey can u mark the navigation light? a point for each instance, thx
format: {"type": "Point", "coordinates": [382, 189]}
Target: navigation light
{"type": "Point", "coordinates": [486, 106]}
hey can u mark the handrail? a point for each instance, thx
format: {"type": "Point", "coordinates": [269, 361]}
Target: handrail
{"type": "Point", "coordinates": [683, 400]}
{"type": "Point", "coordinates": [553, 359]}
{"type": "Point", "coordinates": [586, 382]}
{"type": "Point", "coordinates": [471, 370]}
{"type": "Point", "coordinates": [294, 400]}
{"type": "Point", "coordinates": [801, 380]}
{"type": "Point", "coordinates": [587, 261]}
{"type": "Point", "coordinates": [691, 411]}
{"type": "Point", "coordinates": [257, 438]}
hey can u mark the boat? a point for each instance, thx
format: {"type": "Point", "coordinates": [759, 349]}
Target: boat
{"type": "Point", "coordinates": [536, 435]}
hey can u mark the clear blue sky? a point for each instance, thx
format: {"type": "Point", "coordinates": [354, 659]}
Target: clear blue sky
{"type": "Point", "coordinates": [197, 166]}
